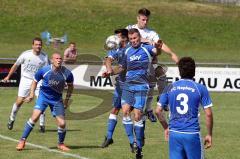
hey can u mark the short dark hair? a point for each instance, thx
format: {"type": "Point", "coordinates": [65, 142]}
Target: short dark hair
{"type": "Point", "coordinates": [144, 11]}
{"type": "Point", "coordinates": [73, 43]}
{"type": "Point", "coordinates": [186, 66]}
{"type": "Point", "coordinates": [123, 32]}
{"type": "Point", "coordinates": [134, 30]}
{"type": "Point", "coordinates": [36, 39]}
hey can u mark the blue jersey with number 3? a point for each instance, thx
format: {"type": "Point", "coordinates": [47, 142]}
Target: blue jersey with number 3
{"type": "Point", "coordinates": [183, 98]}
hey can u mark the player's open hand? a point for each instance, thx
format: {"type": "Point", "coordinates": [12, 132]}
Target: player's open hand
{"type": "Point", "coordinates": [208, 141]}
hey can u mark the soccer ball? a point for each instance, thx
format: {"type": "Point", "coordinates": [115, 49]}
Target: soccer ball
{"type": "Point", "coordinates": [112, 42]}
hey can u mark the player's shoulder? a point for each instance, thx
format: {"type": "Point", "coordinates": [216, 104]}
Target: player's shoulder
{"type": "Point", "coordinates": [147, 46]}
{"type": "Point", "coordinates": [46, 68]}
{"type": "Point", "coordinates": [150, 30]}
{"type": "Point", "coordinates": [201, 87]}
{"type": "Point", "coordinates": [44, 54]}
{"type": "Point", "coordinates": [65, 70]}
{"type": "Point", "coordinates": [131, 26]}
{"type": "Point", "coordinates": [27, 52]}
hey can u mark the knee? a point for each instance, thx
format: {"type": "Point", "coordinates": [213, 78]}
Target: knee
{"type": "Point", "coordinates": [137, 117]}
{"type": "Point", "coordinates": [115, 111]}
{"type": "Point", "coordinates": [62, 124]}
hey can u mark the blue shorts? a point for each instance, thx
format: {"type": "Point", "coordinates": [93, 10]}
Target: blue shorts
{"type": "Point", "coordinates": [56, 106]}
{"type": "Point", "coordinates": [116, 101]}
{"type": "Point", "coordinates": [185, 146]}
{"type": "Point", "coordinates": [135, 95]}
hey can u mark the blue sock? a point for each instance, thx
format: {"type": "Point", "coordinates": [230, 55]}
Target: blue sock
{"type": "Point", "coordinates": [139, 132]}
{"type": "Point", "coordinates": [128, 125]}
{"type": "Point", "coordinates": [61, 135]}
{"type": "Point", "coordinates": [27, 129]}
{"type": "Point", "coordinates": [112, 122]}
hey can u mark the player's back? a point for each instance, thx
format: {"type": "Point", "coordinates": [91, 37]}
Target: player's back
{"type": "Point", "coordinates": [184, 98]}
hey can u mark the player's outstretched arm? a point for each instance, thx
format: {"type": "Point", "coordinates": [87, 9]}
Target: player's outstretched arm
{"type": "Point", "coordinates": [161, 117]}
{"type": "Point", "coordinates": [68, 94]}
{"type": "Point", "coordinates": [209, 125]}
{"type": "Point", "coordinates": [168, 51]}
{"type": "Point", "coordinates": [32, 90]}
{"type": "Point", "coordinates": [12, 70]}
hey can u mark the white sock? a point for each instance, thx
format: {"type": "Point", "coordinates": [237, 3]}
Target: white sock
{"type": "Point", "coordinates": [42, 119]}
{"type": "Point", "coordinates": [14, 111]}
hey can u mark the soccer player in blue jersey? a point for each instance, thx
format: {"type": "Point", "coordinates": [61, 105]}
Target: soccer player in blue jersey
{"type": "Point", "coordinates": [54, 78]}
{"type": "Point", "coordinates": [116, 55]}
{"type": "Point", "coordinates": [183, 98]}
{"type": "Point", "coordinates": [137, 62]}
{"type": "Point", "coordinates": [150, 36]}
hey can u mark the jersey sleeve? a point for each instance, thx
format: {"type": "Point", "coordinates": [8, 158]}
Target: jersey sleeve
{"type": "Point", "coordinates": [112, 54]}
{"type": "Point", "coordinates": [205, 98]}
{"type": "Point", "coordinates": [155, 36]}
{"type": "Point", "coordinates": [38, 75]}
{"type": "Point", "coordinates": [150, 48]}
{"type": "Point", "coordinates": [20, 60]}
{"type": "Point", "coordinates": [163, 98]}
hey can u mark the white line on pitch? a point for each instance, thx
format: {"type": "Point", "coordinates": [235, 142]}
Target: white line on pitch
{"type": "Point", "coordinates": [44, 148]}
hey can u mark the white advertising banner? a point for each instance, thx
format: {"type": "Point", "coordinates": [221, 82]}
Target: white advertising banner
{"type": "Point", "coordinates": [215, 78]}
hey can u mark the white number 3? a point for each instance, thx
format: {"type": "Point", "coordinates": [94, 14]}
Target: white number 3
{"type": "Point", "coordinates": [183, 108]}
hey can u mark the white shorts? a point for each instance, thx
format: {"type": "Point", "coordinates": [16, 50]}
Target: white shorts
{"type": "Point", "coordinates": [25, 86]}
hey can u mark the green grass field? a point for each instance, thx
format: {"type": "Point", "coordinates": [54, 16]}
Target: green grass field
{"type": "Point", "coordinates": [208, 32]}
{"type": "Point", "coordinates": [85, 136]}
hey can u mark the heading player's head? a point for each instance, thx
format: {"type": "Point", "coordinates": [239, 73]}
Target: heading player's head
{"type": "Point", "coordinates": [37, 45]}
{"type": "Point", "coordinates": [134, 37]}
{"type": "Point", "coordinates": [143, 17]}
{"type": "Point", "coordinates": [186, 66]}
{"type": "Point", "coordinates": [56, 60]}
{"type": "Point", "coordinates": [123, 35]}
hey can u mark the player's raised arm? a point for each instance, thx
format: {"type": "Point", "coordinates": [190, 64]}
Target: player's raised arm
{"type": "Point", "coordinates": [168, 51]}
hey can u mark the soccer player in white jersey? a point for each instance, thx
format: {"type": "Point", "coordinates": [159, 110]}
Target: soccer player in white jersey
{"type": "Point", "coordinates": [183, 98]}
{"type": "Point", "coordinates": [30, 61]}
{"type": "Point", "coordinates": [150, 36]}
